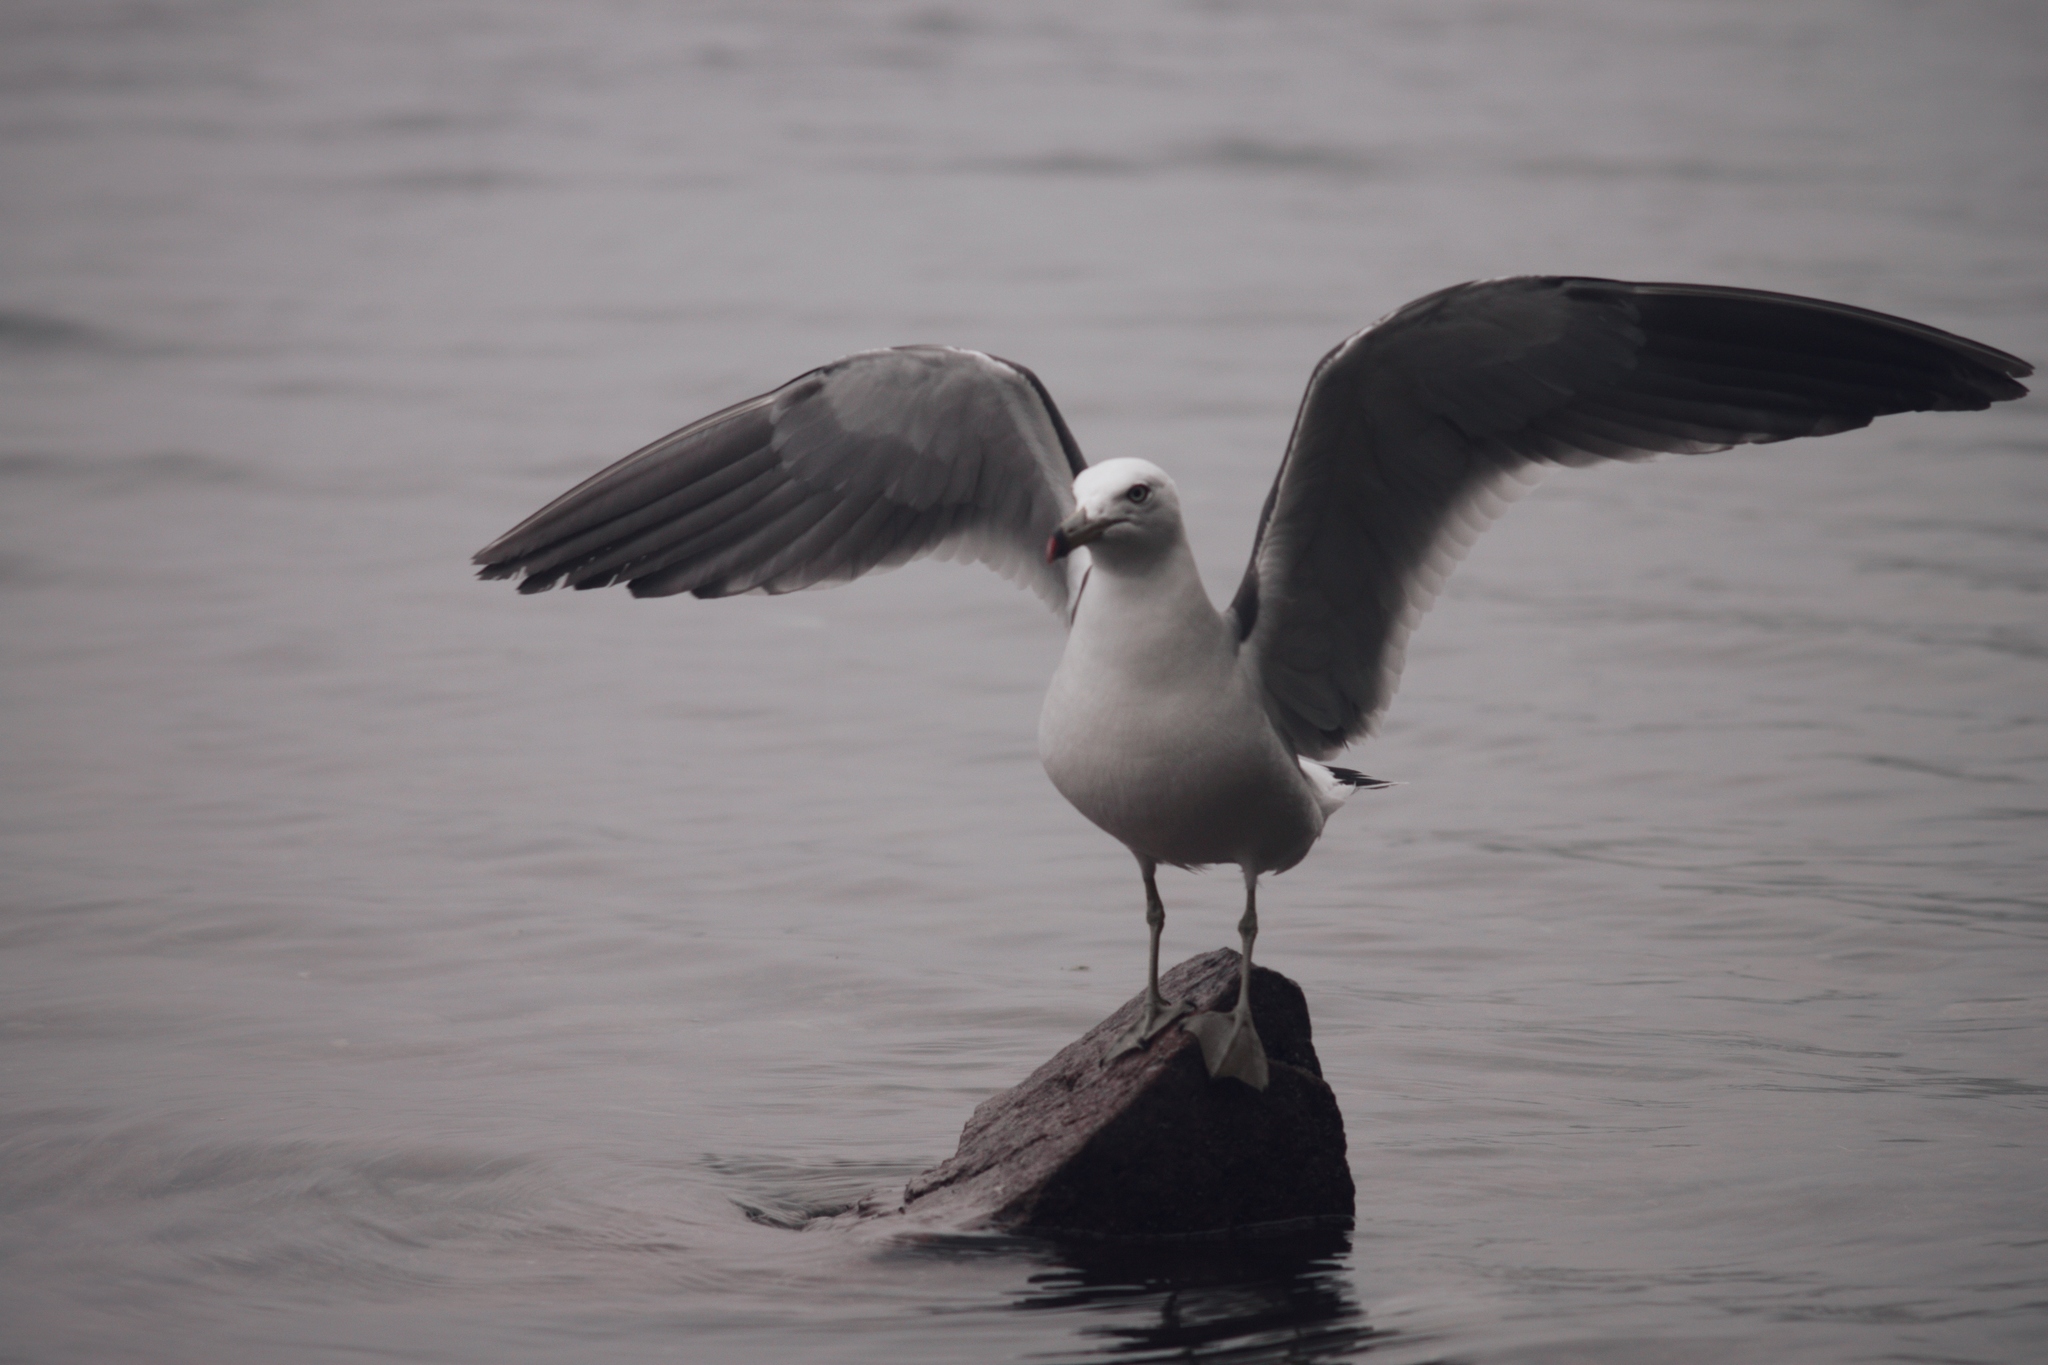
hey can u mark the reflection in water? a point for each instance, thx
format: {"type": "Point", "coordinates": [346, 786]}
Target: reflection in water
{"type": "Point", "coordinates": [1266, 1299]}
{"type": "Point", "coordinates": [1278, 1296]}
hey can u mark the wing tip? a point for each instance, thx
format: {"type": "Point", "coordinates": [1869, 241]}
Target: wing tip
{"type": "Point", "coordinates": [493, 570]}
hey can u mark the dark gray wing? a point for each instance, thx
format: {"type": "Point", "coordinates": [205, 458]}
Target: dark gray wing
{"type": "Point", "coordinates": [1410, 428]}
{"type": "Point", "coordinates": [859, 465]}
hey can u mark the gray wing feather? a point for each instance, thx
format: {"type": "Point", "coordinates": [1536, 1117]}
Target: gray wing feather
{"type": "Point", "coordinates": [1413, 431]}
{"type": "Point", "coordinates": [863, 464]}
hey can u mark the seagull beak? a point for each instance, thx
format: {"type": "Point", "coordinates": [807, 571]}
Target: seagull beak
{"type": "Point", "coordinates": [1077, 530]}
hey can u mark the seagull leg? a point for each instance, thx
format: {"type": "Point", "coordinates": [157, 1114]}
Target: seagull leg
{"type": "Point", "coordinates": [1158, 1012]}
{"type": "Point", "coordinates": [1230, 1044]}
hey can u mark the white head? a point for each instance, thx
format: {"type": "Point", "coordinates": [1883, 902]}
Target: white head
{"type": "Point", "coordinates": [1128, 510]}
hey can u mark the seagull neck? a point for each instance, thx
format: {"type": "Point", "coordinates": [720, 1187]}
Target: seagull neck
{"type": "Point", "coordinates": [1138, 602]}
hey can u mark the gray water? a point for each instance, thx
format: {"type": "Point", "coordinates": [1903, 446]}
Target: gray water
{"type": "Point", "coordinates": [397, 968]}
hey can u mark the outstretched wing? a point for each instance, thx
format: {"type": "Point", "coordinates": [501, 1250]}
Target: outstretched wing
{"type": "Point", "coordinates": [1410, 428]}
{"type": "Point", "coordinates": [862, 464]}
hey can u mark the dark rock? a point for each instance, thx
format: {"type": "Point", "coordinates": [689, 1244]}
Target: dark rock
{"type": "Point", "coordinates": [1148, 1145]}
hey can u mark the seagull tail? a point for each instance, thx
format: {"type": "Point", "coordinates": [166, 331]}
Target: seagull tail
{"type": "Point", "coordinates": [1334, 786]}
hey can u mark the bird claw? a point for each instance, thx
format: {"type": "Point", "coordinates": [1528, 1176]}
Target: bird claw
{"type": "Point", "coordinates": [1150, 1025]}
{"type": "Point", "coordinates": [1230, 1047]}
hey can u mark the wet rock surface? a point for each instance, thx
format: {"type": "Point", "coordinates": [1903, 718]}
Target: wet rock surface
{"type": "Point", "coordinates": [1148, 1145]}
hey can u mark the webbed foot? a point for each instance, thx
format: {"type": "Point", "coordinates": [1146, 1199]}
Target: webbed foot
{"type": "Point", "coordinates": [1157, 1014]}
{"type": "Point", "coordinates": [1230, 1046]}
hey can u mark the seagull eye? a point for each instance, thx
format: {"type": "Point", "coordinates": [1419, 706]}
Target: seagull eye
{"type": "Point", "coordinates": [1138, 492]}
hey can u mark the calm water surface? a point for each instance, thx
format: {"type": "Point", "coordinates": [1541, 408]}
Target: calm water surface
{"type": "Point", "coordinates": [398, 968]}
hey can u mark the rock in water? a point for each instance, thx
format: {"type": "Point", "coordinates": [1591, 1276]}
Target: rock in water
{"type": "Point", "coordinates": [1148, 1145]}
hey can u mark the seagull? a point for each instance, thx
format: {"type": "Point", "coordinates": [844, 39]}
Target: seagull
{"type": "Point", "coordinates": [1196, 736]}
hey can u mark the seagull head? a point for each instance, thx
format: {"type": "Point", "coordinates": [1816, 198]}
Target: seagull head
{"type": "Point", "coordinates": [1122, 507]}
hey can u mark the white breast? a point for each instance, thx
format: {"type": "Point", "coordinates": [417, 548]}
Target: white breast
{"type": "Point", "coordinates": [1154, 731]}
